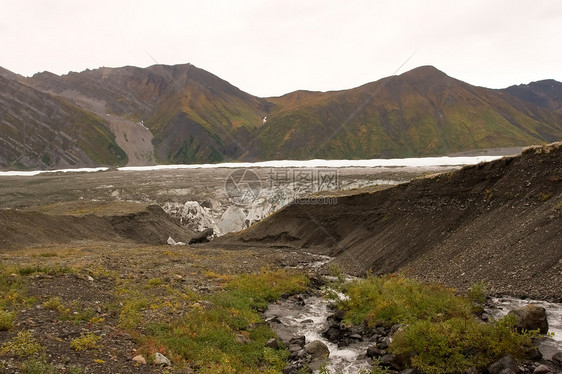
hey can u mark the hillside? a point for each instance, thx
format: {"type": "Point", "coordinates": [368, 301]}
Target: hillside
{"type": "Point", "coordinates": [545, 94]}
{"type": "Point", "coordinates": [184, 114]}
{"type": "Point", "coordinates": [193, 116]}
{"type": "Point", "coordinates": [496, 222]}
{"type": "Point", "coordinates": [41, 131]}
{"type": "Point", "coordinates": [420, 113]}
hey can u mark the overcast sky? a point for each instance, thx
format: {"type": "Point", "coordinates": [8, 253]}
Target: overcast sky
{"type": "Point", "coordinates": [269, 48]}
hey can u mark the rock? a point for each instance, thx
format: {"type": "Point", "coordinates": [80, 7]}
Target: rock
{"type": "Point", "coordinates": [242, 338]}
{"type": "Point", "coordinates": [339, 315]}
{"type": "Point", "coordinates": [299, 340]}
{"type": "Point", "coordinates": [530, 317]}
{"type": "Point", "coordinates": [408, 371]}
{"type": "Point", "coordinates": [171, 241]}
{"type": "Point", "coordinates": [557, 358]}
{"type": "Point", "coordinates": [272, 343]}
{"type": "Point", "coordinates": [139, 360]}
{"type": "Point", "coordinates": [392, 361]}
{"type": "Point", "coordinates": [296, 344]}
{"type": "Point", "coordinates": [202, 237]}
{"type": "Point", "coordinates": [90, 278]}
{"type": "Point", "coordinates": [542, 369]}
{"type": "Point", "coordinates": [160, 359]}
{"type": "Point", "coordinates": [373, 351]}
{"type": "Point", "coordinates": [385, 343]}
{"type": "Point", "coordinates": [503, 364]}
{"type": "Point", "coordinates": [317, 350]}
{"type": "Point", "coordinates": [534, 355]}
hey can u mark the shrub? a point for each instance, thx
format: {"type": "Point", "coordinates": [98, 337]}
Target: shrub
{"type": "Point", "coordinates": [456, 345]}
{"type": "Point", "coordinates": [23, 344]}
{"type": "Point", "coordinates": [7, 319]}
{"type": "Point", "coordinates": [88, 341]}
{"type": "Point", "coordinates": [395, 299]}
{"type": "Point", "coordinates": [37, 366]}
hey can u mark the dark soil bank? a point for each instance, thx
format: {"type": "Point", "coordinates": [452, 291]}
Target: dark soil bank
{"type": "Point", "coordinates": [497, 222]}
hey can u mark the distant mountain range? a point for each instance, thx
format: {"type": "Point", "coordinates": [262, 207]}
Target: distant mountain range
{"type": "Point", "coordinates": [183, 114]}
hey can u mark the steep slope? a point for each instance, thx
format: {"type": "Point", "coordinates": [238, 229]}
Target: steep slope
{"type": "Point", "coordinates": [545, 94]}
{"type": "Point", "coordinates": [193, 115]}
{"type": "Point", "coordinates": [419, 113]}
{"type": "Point", "coordinates": [38, 130]}
{"type": "Point", "coordinates": [498, 222]}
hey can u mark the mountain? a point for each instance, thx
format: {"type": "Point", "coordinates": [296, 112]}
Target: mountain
{"type": "Point", "coordinates": [545, 94]}
{"type": "Point", "coordinates": [189, 114]}
{"type": "Point", "coordinates": [184, 114]}
{"type": "Point", "coordinates": [420, 113]}
{"type": "Point", "coordinates": [38, 130]}
{"type": "Point", "coordinates": [497, 222]}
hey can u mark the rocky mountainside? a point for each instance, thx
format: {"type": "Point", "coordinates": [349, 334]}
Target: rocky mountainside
{"type": "Point", "coordinates": [496, 222]}
{"type": "Point", "coordinates": [40, 131]}
{"type": "Point", "coordinates": [546, 94]}
{"type": "Point", "coordinates": [183, 114]}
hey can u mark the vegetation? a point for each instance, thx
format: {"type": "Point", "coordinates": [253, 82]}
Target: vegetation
{"type": "Point", "coordinates": [439, 333]}
{"type": "Point", "coordinates": [23, 344]}
{"type": "Point", "coordinates": [86, 341]}
{"type": "Point", "coordinates": [6, 320]}
{"type": "Point", "coordinates": [225, 334]}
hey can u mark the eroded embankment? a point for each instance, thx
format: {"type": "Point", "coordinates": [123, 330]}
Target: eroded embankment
{"type": "Point", "coordinates": [145, 224]}
{"type": "Point", "coordinates": [497, 222]}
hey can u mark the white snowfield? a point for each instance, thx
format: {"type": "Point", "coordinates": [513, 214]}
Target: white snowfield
{"type": "Point", "coordinates": [394, 162]}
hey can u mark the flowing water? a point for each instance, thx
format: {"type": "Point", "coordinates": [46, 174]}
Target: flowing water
{"type": "Point", "coordinates": [548, 346]}
{"type": "Point", "coordinates": [310, 320]}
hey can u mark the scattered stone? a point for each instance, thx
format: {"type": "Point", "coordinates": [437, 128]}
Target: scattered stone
{"type": "Point", "coordinates": [160, 359]}
{"type": "Point", "coordinates": [272, 343]}
{"type": "Point", "coordinates": [530, 317]}
{"type": "Point", "coordinates": [242, 338]}
{"type": "Point", "coordinates": [202, 237]}
{"type": "Point", "coordinates": [503, 364]}
{"type": "Point", "coordinates": [542, 369]}
{"type": "Point", "coordinates": [139, 360]}
{"type": "Point", "coordinates": [317, 350]}
{"type": "Point", "coordinates": [90, 278]}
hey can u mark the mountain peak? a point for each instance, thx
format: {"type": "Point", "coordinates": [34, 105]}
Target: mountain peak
{"type": "Point", "coordinates": [424, 72]}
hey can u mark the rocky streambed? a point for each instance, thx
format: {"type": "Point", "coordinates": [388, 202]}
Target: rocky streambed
{"type": "Point", "coordinates": [313, 331]}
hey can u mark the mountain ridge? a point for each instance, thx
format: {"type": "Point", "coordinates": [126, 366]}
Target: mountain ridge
{"type": "Point", "coordinates": [184, 114]}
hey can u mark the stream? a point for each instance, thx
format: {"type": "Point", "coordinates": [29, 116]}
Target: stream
{"type": "Point", "coordinates": [307, 316]}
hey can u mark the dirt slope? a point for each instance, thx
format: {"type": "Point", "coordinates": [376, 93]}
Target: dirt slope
{"type": "Point", "coordinates": [499, 222]}
{"type": "Point", "coordinates": [140, 224]}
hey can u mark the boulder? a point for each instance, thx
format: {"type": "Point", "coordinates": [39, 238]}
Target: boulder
{"type": "Point", "coordinates": [160, 359]}
{"type": "Point", "coordinates": [530, 317]}
{"type": "Point", "coordinates": [202, 237]}
{"type": "Point", "coordinates": [542, 369]}
{"type": "Point", "coordinates": [504, 365]}
{"type": "Point", "coordinates": [317, 350]}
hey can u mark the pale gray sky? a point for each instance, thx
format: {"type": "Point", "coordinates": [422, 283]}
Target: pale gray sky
{"type": "Point", "coordinates": [269, 48]}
